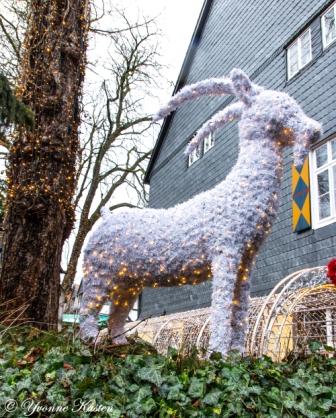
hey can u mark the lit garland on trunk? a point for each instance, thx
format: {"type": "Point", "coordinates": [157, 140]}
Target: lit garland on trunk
{"type": "Point", "coordinates": [42, 162]}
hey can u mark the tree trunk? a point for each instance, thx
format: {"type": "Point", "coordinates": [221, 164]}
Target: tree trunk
{"type": "Point", "coordinates": [42, 162]}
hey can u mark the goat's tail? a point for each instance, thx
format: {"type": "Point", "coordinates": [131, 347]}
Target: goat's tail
{"type": "Point", "coordinates": [212, 86]}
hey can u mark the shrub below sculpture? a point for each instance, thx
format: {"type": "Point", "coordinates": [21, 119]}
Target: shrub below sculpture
{"type": "Point", "coordinates": [52, 370]}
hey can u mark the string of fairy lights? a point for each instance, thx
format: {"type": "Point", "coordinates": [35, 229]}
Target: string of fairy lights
{"type": "Point", "coordinates": [216, 233]}
{"type": "Point", "coordinates": [42, 161]}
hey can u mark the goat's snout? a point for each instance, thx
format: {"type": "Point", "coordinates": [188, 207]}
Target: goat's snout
{"type": "Point", "coordinates": [314, 131]}
{"type": "Point", "coordinates": [309, 132]}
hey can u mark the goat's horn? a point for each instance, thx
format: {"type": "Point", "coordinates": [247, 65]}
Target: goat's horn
{"type": "Point", "coordinates": [232, 112]}
{"type": "Point", "coordinates": [212, 86]}
{"type": "Point", "coordinates": [244, 89]}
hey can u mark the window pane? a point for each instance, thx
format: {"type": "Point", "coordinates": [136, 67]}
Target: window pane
{"type": "Point", "coordinates": [192, 158]}
{"type": "Point", "coordinates": [321, 155]}
{"type": "Point", "coordinates": [206, 144]}
{"type": "Point", "coordinates": [329, 26]}
{"type": "Point", "coordinates": [293, 59]}
{"type": "Point", "coordinates": [324, 206]}
{"type": "Point", "coordinates": [209, 142]}
{"type": "Point", "coordinates": [323, 183]}
{"type": "Point", "coordinates": [305, 48]}
{"type": "Point", "coordinates": [324, 195]}
{"type": "Point", "coordinates": [195, 155]}
{"type": "Point", "coordinates": [334, 177]}
{"type": "Point", "coordinates": [333, 149]}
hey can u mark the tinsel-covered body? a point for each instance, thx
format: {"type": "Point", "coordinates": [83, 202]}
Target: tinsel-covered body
{"type": "Point", "coordinates": [216, 234]}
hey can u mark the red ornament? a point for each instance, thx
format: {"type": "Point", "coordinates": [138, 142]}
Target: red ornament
{"type": "Point", "coordinates": [331, 270]}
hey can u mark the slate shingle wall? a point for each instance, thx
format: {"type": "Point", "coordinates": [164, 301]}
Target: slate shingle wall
{"type": "Point", "coordinates": [252, 36]}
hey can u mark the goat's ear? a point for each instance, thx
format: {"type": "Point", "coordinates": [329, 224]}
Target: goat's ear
{"type": "Point", "coordinates": [242, 85]}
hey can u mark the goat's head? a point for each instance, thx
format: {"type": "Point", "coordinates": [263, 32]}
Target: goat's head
{"type": "Point", "coordinates": [270, 113]}
{"type": "Point", "coordinates": [277, 115]}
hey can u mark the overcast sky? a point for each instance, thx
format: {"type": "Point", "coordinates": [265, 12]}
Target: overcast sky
{"type": "Point", "coordinates": [176, 19]}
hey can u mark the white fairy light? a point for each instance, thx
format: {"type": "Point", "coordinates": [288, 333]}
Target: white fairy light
{"type": "Point", "coordinates": [218, 231]}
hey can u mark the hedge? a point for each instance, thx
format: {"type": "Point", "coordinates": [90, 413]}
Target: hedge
{"type": "Point", "coordinates": [53, 375]}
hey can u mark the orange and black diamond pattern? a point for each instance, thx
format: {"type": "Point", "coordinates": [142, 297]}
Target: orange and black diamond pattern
{"type": "Point", "coordinates": [301, 197]}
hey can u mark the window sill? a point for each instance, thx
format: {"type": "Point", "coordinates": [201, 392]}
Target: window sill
{"type": "Point", "coordinates": [195, 162]}
{"type": "Point", "coordinates": [300, 70]}
{"type": "Point", "coordinates": [321, 224]}
{"type": "Point", "coordinates": [326, 46]}
{"type": "Point", "coordinates": [205, 152]}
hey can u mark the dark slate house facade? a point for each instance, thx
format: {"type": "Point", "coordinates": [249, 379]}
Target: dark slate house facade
{"type": "Point", "coordinates": [288, 45]}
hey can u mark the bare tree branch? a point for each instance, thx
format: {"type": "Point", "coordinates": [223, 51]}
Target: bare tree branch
{"type": "Point", "coordinates": [8, 37]}
{"type": "Point", "coordinates": [115, 154]}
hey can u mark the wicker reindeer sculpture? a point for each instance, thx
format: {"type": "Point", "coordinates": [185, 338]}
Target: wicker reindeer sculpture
{"type": "Point", "coordinates": [217, 233]}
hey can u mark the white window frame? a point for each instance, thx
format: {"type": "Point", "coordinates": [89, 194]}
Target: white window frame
{"type": "Point", "coordinates": [191, 159]}
{"type": "Point", "coordinates": [324, 39]}
{"type": "Point", "coordinates": [299, 51]}
{"type": "Point", "coordinates": [316, 222]}
{"type": "Point", "coordinates": [208, 143]}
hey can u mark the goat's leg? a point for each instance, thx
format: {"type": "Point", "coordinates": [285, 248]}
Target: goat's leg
{"type": "Point", "coordinates": [95, 293]}
{"type": "Point", "coordinates": [240, 314]}
{"type": "Point", "coordinates": [224, 270]}
{"type": "Point", "coordinates": [241, 299]}
{"type": "Point", "coordinates": [122, 303]}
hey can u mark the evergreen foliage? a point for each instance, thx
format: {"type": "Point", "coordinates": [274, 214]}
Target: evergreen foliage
{"type": "Point", "coordinates": [134, 381]}
{"type": "Point", "coordinates": [12, 110]}
{"type": "Point", "coordinates": [3, 191]}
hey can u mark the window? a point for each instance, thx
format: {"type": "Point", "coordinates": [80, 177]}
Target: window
{"type": "Point", "coordinates": [329, 26]}
{"type": "Point", "coordinates": [195, 155]}
{"type": "Point", "coordinates": [323, 182]}
{"type": "Point", "coordinates": [209, 142]}
{"type": "Point", "coordinates": [299, 53]}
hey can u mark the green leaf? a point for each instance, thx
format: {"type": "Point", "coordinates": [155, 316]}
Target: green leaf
{"type": "Point", "coordinates": [148, 406]}
{"type": "Point", "coordinates": [217, 410]}
{"type": "Point", "coordinates": [114, 413]}
{"type": "Point", "coordinates": [326, 404]}
{"type": "Point", "coordinates": [142, 393]}
{"type": "Point", "coordinates": [328, 348]}
{"type": "Point", "coordinates": [196, 388]}
{"type": "Point", "coordinates": [151, 375]}
{"type": "Point", "coordinates": [184, 378]}
{"type": "Point", "coordinates": [119, 381]}
{"type": "Point", "coordinates": [172, 353]}
{"type": "Point", "coordinates": [133, 387]}
{"type": "Point", "coordinates": [50, 377]}
{"type": "Point", "coordinates": [314, 346]}
{"type": "Point", "coordinates": [176, 393]}
{"type": "Point", "coordinates": [212, 398]}
{"type": "Point", "coordinates": [85, 352]}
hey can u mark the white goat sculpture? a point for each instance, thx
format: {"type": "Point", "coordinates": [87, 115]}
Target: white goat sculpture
{"type": "Point", "coordinates": [216, 233]}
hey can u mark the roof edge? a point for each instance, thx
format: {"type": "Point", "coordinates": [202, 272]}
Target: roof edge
{"type": "Point", "coordinates": [180, 82]}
